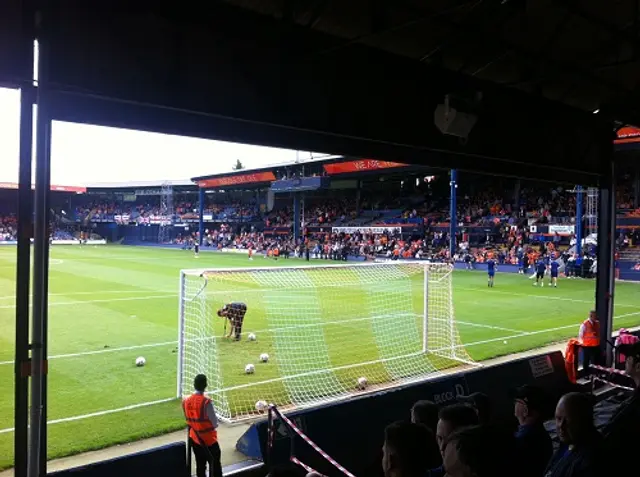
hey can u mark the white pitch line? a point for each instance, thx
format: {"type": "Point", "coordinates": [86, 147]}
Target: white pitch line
{"type": "Point", "coordinates": [109, 300]}
{"type": "Point", "coordinates": [544, 297]}
{"type": "Point", "coordinates": [99, 413]}
{"type": "Point", "coordinates": [480, 325]}
{"type": "Point", "coordinates": [95, 292]}
{"type": "Point", "coordinates": [105, 350]}
{"type": "Point", "coordinates": [627, 314]}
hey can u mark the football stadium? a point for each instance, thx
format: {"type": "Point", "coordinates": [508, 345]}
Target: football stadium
{"type": "Point", "coordinates": [183, 287]}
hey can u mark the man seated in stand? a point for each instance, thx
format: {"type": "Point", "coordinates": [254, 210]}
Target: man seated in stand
{"type": "Point", "coordinates": [403, 451]}
{"type": "Point", "coordinates": [533, 443]}
{"type": "Point", "coordinates": [581, 445]}
{"type": "Point", "coordinates": [450, 419]}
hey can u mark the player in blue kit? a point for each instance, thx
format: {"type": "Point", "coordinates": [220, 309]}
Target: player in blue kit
{"type": "Point", "coordinates": [491, 270]}
{"type": "Point", "coordinates": [540, 269]}
{"type": "Point", "coordinates": [553, 271]}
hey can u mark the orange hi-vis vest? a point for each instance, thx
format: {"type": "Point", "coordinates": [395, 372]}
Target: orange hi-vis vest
{"type": "Point", "coordinates": [591, 335]}
{"type": "Point", "coordinates": [195, 412]}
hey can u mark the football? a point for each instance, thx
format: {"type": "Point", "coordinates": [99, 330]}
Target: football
{"type": "Point", "coordinates": [251, 337]}
{"type": "Point", "coordinates": [261, 406]}
{"type": "Point", "coordinates": [362, 383]}
{"type": "Point", "coordinates": [140, 361]}
{"type": "Point", "coordinates": [249, 369]}
{"type": "Point", "coordinates": [264, 357]}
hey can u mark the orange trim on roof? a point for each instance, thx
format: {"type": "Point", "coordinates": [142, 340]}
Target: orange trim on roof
{"type": "Point", "coordinates": [360, 166]}
{"type": "Point", "coordinates": [237, 180]}
{"type": "Point", "coordinates": [55, 188]}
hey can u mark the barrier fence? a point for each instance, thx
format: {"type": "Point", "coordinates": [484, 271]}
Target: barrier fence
{"type": "Point", "coordinates": [275, 413]}
{"type": "Point", "coordinates": [610, 371]}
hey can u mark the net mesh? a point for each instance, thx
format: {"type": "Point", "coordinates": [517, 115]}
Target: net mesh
{"type": "Point", "coordinates": [326, 330]}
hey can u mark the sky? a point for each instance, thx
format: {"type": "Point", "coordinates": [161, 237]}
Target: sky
{"type": "Point", "coordinates": [83, 154]}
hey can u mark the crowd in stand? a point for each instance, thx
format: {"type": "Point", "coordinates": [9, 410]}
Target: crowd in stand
{"type": "Point", "coordinates": [8, 228]}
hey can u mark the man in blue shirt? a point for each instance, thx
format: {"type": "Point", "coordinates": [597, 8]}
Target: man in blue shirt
{"type": "Point", "coordinates": [554, 266]}
{"type": "Point", "coordinates": [540, 268]}
{"type": "Point", "coordinates": [533, 444]}
{"type": "Point", "coordinates": [491, 270]}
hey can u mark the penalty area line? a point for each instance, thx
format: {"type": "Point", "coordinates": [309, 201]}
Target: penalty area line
{"type": "Point", "coordinates": [108, 300]}
{"type": "Point", "coordinates": [99, 413]}
{"type": "Point", "coordinates": [105, 350]}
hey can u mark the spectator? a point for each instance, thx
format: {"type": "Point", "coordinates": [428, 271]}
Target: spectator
{"type": "Point", "coordinates": [481, 404]}
{"type": "Point", "coordinates": [450, 419]}
{"type": "Point", "coordinates": [533, 444]}
{"type": "Point", "coordinates": [581, 444]}
{"type": "Point", "coordinates": [621, 433]}
{"type": "Point", "coordinates": [404, 450]}
{"type": "Point", "coordinates": [477, 451]}
{"type": "Point", "coordinates": [426, 413]}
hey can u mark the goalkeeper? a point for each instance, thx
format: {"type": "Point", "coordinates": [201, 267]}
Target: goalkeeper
{"type": "Point", "coordinates": [234, 313]}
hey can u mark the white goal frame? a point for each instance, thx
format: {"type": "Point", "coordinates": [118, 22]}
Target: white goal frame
{"type": "Point", "coordinates": [453, 350]}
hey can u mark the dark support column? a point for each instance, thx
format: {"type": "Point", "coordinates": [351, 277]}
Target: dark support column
{"type": "Point", "coordinates": [296, 216]}
{"type": "Point", "coordinates": [453, 212]}
{"type": "Point", "coordinates": [39, 330]}
{"type": "Point", "coordinates": [358, 198]}
{"type": "Point", "coordinates": [636, 187]}
{"type": "Point", "coordinates": [516, 194]}
{"type": "Point", "coordinates": [579, 218]}
{"type": "Point", "coordinates": [201, 198]}
{"type": "Point", "coordinates": [606, 233]}
{"type": "Point", "coordinates": [25, 229]}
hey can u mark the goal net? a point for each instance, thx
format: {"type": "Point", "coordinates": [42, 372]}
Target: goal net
{"type": "Point", "coordinates": [330, 332]}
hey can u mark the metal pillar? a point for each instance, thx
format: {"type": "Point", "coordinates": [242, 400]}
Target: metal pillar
{"type": "Point", "coordinates": [453, 212]}
{"type": "Point", "coordinates": [516, 194]}
{"type": "Point", "coordinates": [592, 210]}
{"type": "Point", "coordinates": [39, 331]}
{"type": "Point", "coordinates": [167, 213]}
{"type": "Point", "coordinates": [636, 187]}
{"type": "Point", "coordinates": [579, 218]}
{"type": "Point", "coordinates": [201, 198]}
{"type": "Point", "coordinates": [25, 230]}
{"type": "Point", "coordinates": [605, 283]}
{"type": "Point", "coordinates": [296, 216]}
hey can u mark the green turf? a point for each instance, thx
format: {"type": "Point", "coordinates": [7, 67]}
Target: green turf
{"type": "Point", "coordinates": [113, 297]}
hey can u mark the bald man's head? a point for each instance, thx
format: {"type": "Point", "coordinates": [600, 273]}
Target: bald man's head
{"type": "Point", "coordinates": [574, 418]}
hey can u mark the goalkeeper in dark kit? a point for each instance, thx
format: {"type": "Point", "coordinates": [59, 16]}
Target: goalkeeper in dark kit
{"type": "Point", "coordinates": [233, 312]}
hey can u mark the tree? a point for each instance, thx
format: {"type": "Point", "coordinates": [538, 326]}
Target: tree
{"type": "Point", "coordinates": [238, 165]}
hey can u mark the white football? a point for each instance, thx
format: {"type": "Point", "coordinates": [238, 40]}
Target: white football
{"type": "Point", "coordinates": [264, 357]}
{"type": "Point", "coordinates": [261, 406]}
{"type": "Point", "coordinates": [251, 337]}
{"type": "Point", "coordinates": [362, 382]}
{"type": "Point", "coordinates": [140, 361]}
{"type": "Point", "coordinates": [249, 369]}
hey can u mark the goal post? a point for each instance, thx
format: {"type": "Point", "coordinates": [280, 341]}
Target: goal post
{"type": "Point", "coordinates": [328, 332]}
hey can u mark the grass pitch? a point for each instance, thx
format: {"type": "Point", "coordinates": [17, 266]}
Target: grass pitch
{"type": "Point", "coordinates": [110, 304]}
